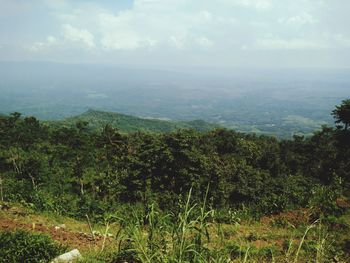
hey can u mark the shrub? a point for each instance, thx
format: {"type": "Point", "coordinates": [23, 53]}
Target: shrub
{"type": "Point", "coordinates": [22, 246]}
{"type": "Point", "coordinates": [323, 200]}
{"type": "Point", "coordinates": [126, 256]}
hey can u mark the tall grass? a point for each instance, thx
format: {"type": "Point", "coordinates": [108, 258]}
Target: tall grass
{"type": "Point", "coordinates": [308, 228]}
{"type": "Point", "coordinates": [190, 236]}
{"type": "Point", "coordinates": [320, 246]}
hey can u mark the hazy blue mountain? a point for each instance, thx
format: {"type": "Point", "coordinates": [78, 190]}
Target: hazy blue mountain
{"type": "Point", "coordinates": [270, 101]}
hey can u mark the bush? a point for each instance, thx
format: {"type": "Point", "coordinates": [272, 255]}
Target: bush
{"type": "Point", "coordinates": [22, 246]}
{"type": "Point", "coordinates": [126, 256]}
{"type": "Point", "coordinates": [323, 201]}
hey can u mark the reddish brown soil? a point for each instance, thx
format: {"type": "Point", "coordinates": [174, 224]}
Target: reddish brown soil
{"type": "Point", "coordinates": [294, 217]}
{"type": "Point", "coordinates": [343, 203]}
{"type": "Point", "coordinates": [13, 220]}
{"type": "Point", "coordinates": [72, 239]}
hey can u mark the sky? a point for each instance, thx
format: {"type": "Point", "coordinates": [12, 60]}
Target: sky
{"type": "Point", "coordinates": [178, 33]}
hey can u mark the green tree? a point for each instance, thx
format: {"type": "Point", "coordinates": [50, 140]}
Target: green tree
{"type": "Point", "coordinates": [342, 114]}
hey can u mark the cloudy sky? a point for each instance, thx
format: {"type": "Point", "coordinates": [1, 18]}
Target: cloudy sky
{"type": "Point", "coordinates": [220, 33]}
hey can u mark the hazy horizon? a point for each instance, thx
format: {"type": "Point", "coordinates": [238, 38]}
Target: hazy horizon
{"type": "Point", "coordinates": [273, 101]}
{"type": "Point", "coordinates": [264, 66]}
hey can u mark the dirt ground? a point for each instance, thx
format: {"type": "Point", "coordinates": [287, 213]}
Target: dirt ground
{"type": "Point", "coordinates": [14, 218]}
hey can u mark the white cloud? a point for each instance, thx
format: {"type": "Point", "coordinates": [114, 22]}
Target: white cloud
{"type": "Point", "coordinates": [227, 20]}
{"type": "Point", "coordinates": [183, 24]}
{"type": "Point", "coordinates": [204, 16]}
{"type": "Point", "coordinates": [51, 40]}
{"type": "Point", "coordinates": [140, 28]}
{"type": "Point", "coordinates": [38, 46]}
{"type": "Point", "coordinates": [119, 32]}
{"type": "Point", "coordinates": [83, 36]}
{"type": "Point", "coordinates": [43, 46]}
{"type": "Point", "coordinates": [342, 40]}
{"type": "Point", "coordinates": [257, 4]}
{"type": "Point", "coordinates": [121, 40]}
{"type": "Point", "coordinates": [299, 20]}
{"type": "Point", "coordinates": [178, 42]}
{"type": "Point", "coordinates": [175, 28]}
{"type": "Point", "coordinates": [204, 42]}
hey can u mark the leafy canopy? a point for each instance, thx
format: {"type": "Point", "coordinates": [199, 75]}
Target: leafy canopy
{"type": "Point", "coordinates": [342, 113]}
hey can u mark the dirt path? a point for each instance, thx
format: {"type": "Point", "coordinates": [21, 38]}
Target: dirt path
{"type": "Point", "coordinates": [15, 219]}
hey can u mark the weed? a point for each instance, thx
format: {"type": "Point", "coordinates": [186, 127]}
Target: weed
{"type": "Point", "coordinates": [21, 246]}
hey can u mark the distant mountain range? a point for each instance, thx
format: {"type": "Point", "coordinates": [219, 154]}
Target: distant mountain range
{"type": "Point", "coordinates": [125, 123]}
{"type": "Point", "coordinates": [278, 102]}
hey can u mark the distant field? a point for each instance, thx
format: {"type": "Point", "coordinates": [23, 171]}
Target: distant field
{"type": "Point", "coordinates": [277, 102]}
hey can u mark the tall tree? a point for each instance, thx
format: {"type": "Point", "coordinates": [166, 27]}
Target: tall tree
{"type": "Point", "coordinates": [342, 114]}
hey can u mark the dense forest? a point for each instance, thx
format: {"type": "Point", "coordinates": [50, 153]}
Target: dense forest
{"type": "Point", "coordinates": [95, 171]}
{"type": "Point", "coordinates": [76, 171]}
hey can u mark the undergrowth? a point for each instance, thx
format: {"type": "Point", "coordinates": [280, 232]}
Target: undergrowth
{"type": "Point", "coordinates": [22, 246]}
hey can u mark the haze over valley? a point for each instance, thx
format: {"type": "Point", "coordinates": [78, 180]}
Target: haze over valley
{"type": "Point", "coordinates": [280, 102]}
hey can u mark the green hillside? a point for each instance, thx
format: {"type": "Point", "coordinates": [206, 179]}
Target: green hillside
{"type": "Point", "coordinates": [183, 196]}
{"type": "Point", "coordinates": [98, 119]}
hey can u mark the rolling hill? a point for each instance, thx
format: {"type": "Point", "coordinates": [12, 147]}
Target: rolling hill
{"type": "Point", "coordinates": [125, 123]}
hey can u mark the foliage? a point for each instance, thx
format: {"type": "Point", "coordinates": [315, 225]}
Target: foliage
{"type": "Point", "coordinates": [77, 171]}
{"type": "Point", "coordinates": [186, 237]}
{"type": "Point", "coordinates": [323, 201]}
{"type": "Point", "coordinates": [342, 113]}
{"type": "Point", "coordinates": [21, 246]}
{"type": "Point", "coordinates": [96, 120]}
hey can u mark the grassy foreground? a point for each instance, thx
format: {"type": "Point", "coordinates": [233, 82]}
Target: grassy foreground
{"type": "Point", "coordinates": [194, 234]}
